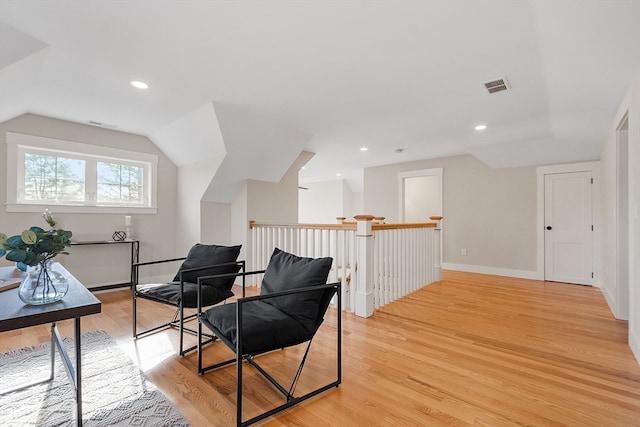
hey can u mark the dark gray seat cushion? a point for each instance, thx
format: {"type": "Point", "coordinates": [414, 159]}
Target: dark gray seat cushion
{"type": "Point", "coordinates": [213, 291]}
{"type": "Point", "coordinates": [265, 328]}
{"type": "Point", "coordinates": [169, 293]}
{"type": "Point", "coordinates": [281, 321]}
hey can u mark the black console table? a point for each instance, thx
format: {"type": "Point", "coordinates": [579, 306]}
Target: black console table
{"type": "Point", "coordinates": [135, 255]}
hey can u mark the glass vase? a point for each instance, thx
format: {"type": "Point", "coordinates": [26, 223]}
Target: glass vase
{"type": "Point", "coordinates": [43, 285]}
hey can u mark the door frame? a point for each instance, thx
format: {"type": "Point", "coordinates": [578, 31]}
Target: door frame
{"type": "Point", "coordinates": [437, 172]}
{"type": "Point", "coordinates": [594, 168]}
{"type": "Point", "coordinates": [622, 217]}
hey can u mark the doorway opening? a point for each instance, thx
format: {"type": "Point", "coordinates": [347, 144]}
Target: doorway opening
{"type": "Point", "coordinates": [420, 194]}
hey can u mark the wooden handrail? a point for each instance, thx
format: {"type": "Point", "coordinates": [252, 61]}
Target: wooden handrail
{"type": "Point", "coordinates": [344, 226]}
{"type": "Point", "coordinates": [405, 225]}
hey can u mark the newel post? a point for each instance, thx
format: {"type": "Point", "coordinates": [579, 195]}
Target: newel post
{"type": "Point", "coordinates": [437, 249]}
{"type": "Point", "coordinates": [364, 288]}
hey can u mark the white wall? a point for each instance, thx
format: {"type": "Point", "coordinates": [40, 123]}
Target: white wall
{"type": "Point", "coordinates": [193, 180]}
{"type": "Point", "coordinates": [215, 223]}
{"type": "Point", "coordinates": [98, 265]}
{"type": "Point", "coordinates": [422, 198]}
{"type": "Point", "coordinates": [357, 205]}
{"type": "Point", "coordinates": [609, 213]}
{"type": "Point", "coordinates": [489, 212]}
{"type": "Point", "coordinates": [634, 217]}
{"type": "Point", "coordinates": [239, 222]}
{"type": "Point", "coordinates": [324, 201]}
{"type": "Point", "coordinates": [269, 202]}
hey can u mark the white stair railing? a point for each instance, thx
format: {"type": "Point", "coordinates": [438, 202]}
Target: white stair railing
{"type": "Point", "coordinates": [376, 263]}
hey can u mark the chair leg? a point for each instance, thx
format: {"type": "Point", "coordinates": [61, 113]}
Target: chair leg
{"type": "Point", "coordinates": [135, 334]}
{"type": "Point", "coordinates": [199, 345]}
{"type": "Point", "coordinates": [239, 389]}
{"type": "Point", "coordinates": [181, 328]}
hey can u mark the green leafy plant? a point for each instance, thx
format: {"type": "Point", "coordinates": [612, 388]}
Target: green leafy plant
{"type": "Point", "coordinates": [34, 246]}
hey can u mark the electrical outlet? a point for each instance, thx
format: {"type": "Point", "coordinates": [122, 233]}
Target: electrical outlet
{"type": "Point", "coordinates": [464, 251]}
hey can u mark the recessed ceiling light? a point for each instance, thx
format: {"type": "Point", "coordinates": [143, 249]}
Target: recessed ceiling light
{"type": "Point", "coordinates": [139, 84]}
{"type": "Point", "coordinates": [338, 174]}
{"type": "Point", "coordinates": [481, 127]}
{"type": "Point", "coordinates": [363, 148]}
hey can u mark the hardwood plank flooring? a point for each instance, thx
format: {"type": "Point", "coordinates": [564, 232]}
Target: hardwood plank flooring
{"type": "Point", "coordinates": [472, 350]}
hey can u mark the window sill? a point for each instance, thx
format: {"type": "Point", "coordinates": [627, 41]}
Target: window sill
{"type": "Point", "coordinates": [17, 207]}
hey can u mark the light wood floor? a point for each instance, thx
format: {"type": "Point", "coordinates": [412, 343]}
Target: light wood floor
{"type": "Point", "coordinates": [471, 350]}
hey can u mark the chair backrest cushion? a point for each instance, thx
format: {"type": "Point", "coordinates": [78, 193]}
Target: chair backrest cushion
{"type": "Point", "coordinates": [287, 271]}
{"type": "Point", "coordinates": [206, 255]}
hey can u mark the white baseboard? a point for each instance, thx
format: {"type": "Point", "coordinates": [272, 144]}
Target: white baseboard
{"type": "Point", "coordinates": [521, 274]}
{"type": "Point", "coordinates": [634, 343]}
{"type": "Point", "coordinates": [610, 299]}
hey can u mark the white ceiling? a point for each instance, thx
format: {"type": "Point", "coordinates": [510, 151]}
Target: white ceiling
{"type": "Point", "coordinates": [339, 74]}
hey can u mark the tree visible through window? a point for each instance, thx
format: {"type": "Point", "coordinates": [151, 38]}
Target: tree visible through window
{"type": "Point", "coordinates": [119, 183]}
{"type": "Point", "coordinates": [52, 178]}
{"type": "Point", "coordinates": [78, 177]}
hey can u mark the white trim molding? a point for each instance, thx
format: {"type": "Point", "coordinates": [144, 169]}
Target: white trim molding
{"type": "Point", "coordinates": [520, 274]}
{"type": "Point", "coordinates": [18, 144]}
{"type": "Point", "coordinates": [594, 168]}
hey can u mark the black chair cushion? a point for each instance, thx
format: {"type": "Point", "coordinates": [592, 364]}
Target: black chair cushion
{"type": "Point", "coordinates": [287, 271]}
{"type": "Point", "coordinates": [265, 328]}
{"type": "Point", "coordinates": [203, 255]}
{"type": "Point", "coordinates": [169, 293]}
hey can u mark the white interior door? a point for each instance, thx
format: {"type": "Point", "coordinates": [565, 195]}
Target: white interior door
{"type": "Point", "coordinates": [568, 222]}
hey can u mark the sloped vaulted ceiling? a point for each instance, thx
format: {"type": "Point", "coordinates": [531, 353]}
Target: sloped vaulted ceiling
{"type": "Point", "coordinates": [241, 144]}
{"type": "Point", "coordinates": [191, 138]}
{"type": "Point", "coordinates": [21, 58]}
{"type": "Point", "coordinates": [258, 148]}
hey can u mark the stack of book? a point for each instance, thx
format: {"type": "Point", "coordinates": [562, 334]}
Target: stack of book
{"type": "Point", "coordinates": [10, 277]}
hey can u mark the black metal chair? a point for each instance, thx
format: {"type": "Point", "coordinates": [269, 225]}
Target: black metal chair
{"type": "Point", "coordinates": [289, 310]}
{"type": "Point", "coordinates": [182, 292]}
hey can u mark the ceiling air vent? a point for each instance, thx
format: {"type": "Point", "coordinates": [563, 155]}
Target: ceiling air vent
{"type": "Point", "coordinates": [105, 125]}
{"type": "Point", "coordinates": [497, 85]}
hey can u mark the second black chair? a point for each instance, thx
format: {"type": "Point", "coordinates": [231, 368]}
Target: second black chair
{"type": "Point", "coordinates": [292, 304]}
{"type": "Point", "coordinates": [182, 292]}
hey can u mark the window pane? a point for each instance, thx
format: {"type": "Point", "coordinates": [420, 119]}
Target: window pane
{"type": "Point", "coordinates": [65, 173]}
{"type": "Point", "coordinates": [118, 183]}
{"type": "Point", "coordinates": [52, 178]}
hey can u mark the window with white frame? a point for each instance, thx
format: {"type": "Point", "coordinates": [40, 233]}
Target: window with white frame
{"type": "Point", "coordinates": [77, 177]}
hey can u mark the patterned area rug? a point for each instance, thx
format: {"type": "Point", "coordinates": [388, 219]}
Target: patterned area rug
{"type": "Point", "coordinates": [114, 391]}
